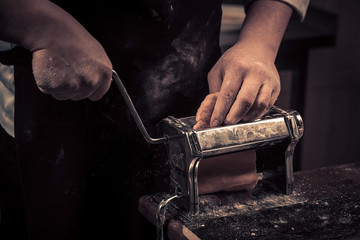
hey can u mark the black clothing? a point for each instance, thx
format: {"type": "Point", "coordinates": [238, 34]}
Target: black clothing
{"type": "Point", "coordinates": [84, 164]}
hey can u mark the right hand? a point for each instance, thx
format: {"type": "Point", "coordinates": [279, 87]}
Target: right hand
{"type": "Point", "coordinates": [75, 71]}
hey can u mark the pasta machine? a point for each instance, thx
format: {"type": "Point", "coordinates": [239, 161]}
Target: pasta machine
{"type": "Point", "coordinates": [187, 147]}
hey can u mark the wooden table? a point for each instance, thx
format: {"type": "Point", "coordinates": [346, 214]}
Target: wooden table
{"type": "Point", "coordinates": [324, 205]}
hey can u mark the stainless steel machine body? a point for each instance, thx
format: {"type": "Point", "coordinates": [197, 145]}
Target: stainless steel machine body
{"type": "Point", "coordinates": [187, 147]}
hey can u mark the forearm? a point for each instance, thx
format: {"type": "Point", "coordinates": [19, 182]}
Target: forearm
{"type": "Point", "coordinates": [37, 24]}
{"type": "Point", "coordinates": [264, 27]}
{"type": "Point", "coordinates": [67, 62]}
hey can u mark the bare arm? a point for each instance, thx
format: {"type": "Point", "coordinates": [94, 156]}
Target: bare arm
{"type": "Point", "coordinates": [245, 76]}
{"type": "Point", "coordinates": [243, 84]}
{"type": "Point", "coordinates": [68, 62]}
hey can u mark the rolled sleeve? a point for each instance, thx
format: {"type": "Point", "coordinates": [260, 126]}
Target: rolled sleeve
{"type": "Point", "coordinates": [299, 7]}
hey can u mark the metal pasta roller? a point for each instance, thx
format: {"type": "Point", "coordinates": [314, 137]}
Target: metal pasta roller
{"type": "Point", "coordinates": [277, 127]}
{"type": "Point", "coordinates": [187, 147]}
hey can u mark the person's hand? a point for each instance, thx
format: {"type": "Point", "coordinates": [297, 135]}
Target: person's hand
{"type": "Point", "coordinates": [245, 76]}
{"type": "Point", "coordinates": [247, 83]}
{"type": "Point", "coordinates": [68, 62]}
{"type": "Point", "coordinates": [204, 112]}
{"type": "Point", "coordinates": [73, 72]}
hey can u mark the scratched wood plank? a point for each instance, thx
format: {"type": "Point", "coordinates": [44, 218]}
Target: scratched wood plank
{"type": "Point", "coordinates": [324, 205]}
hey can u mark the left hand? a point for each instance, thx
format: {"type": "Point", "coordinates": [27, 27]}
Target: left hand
{"type": "Point", "coordinates": [248, 84]}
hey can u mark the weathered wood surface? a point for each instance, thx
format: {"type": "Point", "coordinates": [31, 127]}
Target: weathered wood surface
{"type": "Point", "coordinates": [325, 205]}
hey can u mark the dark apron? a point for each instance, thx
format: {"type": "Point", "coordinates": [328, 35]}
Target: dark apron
{"type": "Point", "coordinates": [84, 164]}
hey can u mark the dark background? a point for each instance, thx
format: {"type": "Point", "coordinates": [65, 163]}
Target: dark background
{"type": "Point", "coordinates": [319, 66]}
{"type": "Point", "coordinates": [332, 93]}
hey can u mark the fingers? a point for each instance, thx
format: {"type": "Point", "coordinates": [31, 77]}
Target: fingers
{"type": "Point", "coordinates": [94, 91]}
{"type": "Point", "coordinates": [225, 100]}
{"type": "Point", "coordinates": [72, 76]}
{"type": "Point", "coordinates": [214, 80]}
{"type": "Point", "coordinates": [274, 96]}
{"type": "Point", "coordinates": [204, 112]}
{"type": "Point", "coordinates": [103, 88]}
{"type": "Point", "coordinates": [244, 101]}
{"type": "Point", "coordinates": [100, 92]}
{"type": "Point", "coordinates": [253, 100]}
{"type": "Point", "coordinates": [265, 100]}
{"type": "Point", "coordinates": [201, 125]}
{"type": "Point", "coordinates": [260, 105]}
{"type": "Point", "coordinates": [255, 95]}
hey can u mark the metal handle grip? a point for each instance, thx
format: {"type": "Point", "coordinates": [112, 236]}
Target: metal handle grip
{"type": "Point", "coordinates": [134, 113]}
